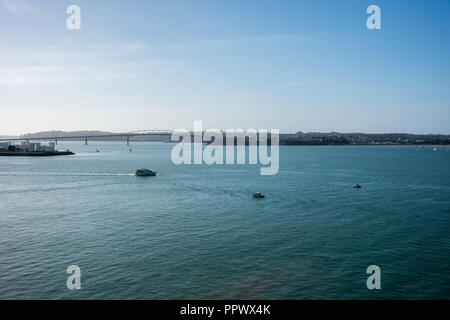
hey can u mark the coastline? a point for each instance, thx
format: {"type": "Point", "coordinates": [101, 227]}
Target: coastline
{"type": "Point", "coordinates": [34, 154]}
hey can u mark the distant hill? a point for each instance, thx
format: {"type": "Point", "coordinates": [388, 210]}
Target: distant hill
{"type": "Point", "coordinates": [62, 134]}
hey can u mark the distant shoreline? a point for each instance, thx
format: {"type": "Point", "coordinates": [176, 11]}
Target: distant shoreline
{"type": "Point", "coordinates": [285, 139]}
{"type": "Point", "coordinates": [34, 154]}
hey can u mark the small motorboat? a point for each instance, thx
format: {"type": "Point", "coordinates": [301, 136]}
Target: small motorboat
{"type": "Point", "coordinates": [145, 173]}
{"type": "Point", "coordinates": [357, 186]}
{"type": "Point", "coordinates": [97, 150]}
{"type": "Point", "coordinates": [258, 195]}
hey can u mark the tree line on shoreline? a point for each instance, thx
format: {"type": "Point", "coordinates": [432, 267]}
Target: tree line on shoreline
{"type": "Point", "coordinates": [335, 138]}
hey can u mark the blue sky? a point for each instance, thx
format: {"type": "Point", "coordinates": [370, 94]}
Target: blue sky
{"type": "Point", "coordinates": [290, 65]}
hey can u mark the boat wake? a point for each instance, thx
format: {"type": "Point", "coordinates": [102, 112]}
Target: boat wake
{"type": "Point", "coordinates": [66, 174]}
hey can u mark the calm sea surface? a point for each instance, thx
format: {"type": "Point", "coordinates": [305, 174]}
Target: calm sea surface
{"type": "Point", "coordinates": [195, 232]}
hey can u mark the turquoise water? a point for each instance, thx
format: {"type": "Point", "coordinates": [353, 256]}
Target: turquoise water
{"type": "Point", "coordinates": [195, 232]}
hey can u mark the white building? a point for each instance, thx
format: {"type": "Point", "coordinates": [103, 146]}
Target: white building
{"type": "Point", "coordinates": [51, 147]}
{"type": "Point", "coordinates": [36, 146]}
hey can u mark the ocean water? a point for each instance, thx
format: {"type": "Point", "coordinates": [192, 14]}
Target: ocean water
{"type": "Point", "coordinates": [195, 232]}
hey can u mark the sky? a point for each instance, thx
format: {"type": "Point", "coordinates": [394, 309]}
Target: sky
{"type": "Point", "coordinates": [288, 65]}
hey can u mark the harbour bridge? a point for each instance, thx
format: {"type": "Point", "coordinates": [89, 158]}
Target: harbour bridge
{"type": "Point", "coordinates": [163, 134]}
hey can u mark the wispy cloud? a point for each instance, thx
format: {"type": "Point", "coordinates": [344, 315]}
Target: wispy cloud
{"type": "Point", "coordinates": [68, 61]}
{"type": "Point", "coordinates": [59, 74]}
{"type": "Point", "coordinates": [309, 82]}
{"type": "Point", "coordinates": [67, 49]}
{"type": "Point", "coordinates": [19, 8]}
{"type": "Point", "coordinates": [237, 41]}
{"type": "Point", "coordinates": [24, 76]}
{"type": "Point", "coordinates": [26, 66]}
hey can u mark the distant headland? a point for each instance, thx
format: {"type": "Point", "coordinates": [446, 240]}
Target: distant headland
{"type": "Point", "coordinates": [30, 149]}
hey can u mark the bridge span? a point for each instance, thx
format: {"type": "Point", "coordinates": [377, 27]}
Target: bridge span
{"type": "Point", "coordinates": [99, 137]}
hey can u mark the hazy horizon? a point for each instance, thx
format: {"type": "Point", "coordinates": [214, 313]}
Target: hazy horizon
{"type": "Point", "coordinates": [281, 132]}
{"type": "Point", "coordinates": [298, 66]}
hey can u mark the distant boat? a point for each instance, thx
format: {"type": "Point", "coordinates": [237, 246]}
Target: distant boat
{"type": "Point", "coordinates": [96, 150]}
{"type": "Point", "coordinates": [357, 186]}
{"type": "Point", "coordinates": [258, 195]}
{"type": "Point", "coordinates": [145, 173]}
{"type": "Point", "coordinates": [434, 149]}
